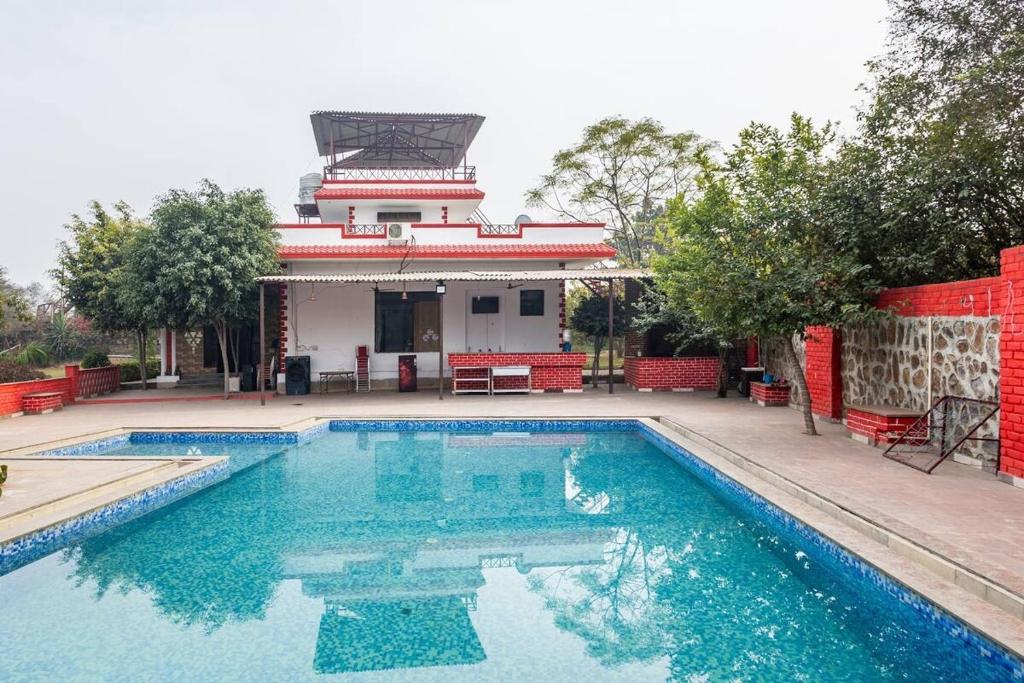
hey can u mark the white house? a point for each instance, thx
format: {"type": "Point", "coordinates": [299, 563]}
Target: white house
{"type": "Point", "coordinates": [395, 214]}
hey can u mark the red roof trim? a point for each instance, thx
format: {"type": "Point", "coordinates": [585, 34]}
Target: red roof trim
{"type": "Point", "coordinates": [310, 226]}
{"type": "Point", "coordinates": [445, 225]}
{"type": "Point", "coordinates": [455, 251]}
{"type": "Point", "coordinates": [399, 193]}
{"type": "Point", "coordinates": [400, 182]}
{"type": "Point", "coordinates": [562, 225]}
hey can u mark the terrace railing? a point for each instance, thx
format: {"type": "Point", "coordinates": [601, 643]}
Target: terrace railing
{"type": "Point", "coordinates": [96, 381]}
{"type": "Point", "coordinates": [501, 230]}
{"type": "Point", "coordinates": [365, 230]}
{"type": "Point", "coordinates": [400, 173]}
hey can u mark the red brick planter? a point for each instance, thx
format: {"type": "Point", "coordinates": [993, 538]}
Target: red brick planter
{"type": "Point", "coordinates": [42, 402]}
{"type": "Point", "coordinates": [769, 395]}
{"type": "Point", "coordinates": [671, 374]}
{"type": "Point", "coordinates": [879, 425]}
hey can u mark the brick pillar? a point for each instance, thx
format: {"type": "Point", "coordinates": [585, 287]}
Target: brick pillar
{"type": "Point", "coordinates": [72, 373]}
{"type": "Point", "coordinates": [1011, 364]}
{"type": "Point", "coordinates": [753, 353]}
{"type": "Point", "coordinates": [824, 380]}
{"type": "Point", "coordinates": [282, 340]}
{"type": "Point", "coordinates": [561, 309]}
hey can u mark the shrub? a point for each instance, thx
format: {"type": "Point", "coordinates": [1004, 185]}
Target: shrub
{"type": "Point", "coordinates": [95, 358]}
{"type": "Point", "coordinates": [11, 371]}
{"type": "Point", "coordinates": [31, 353]}
{"type": "Point", "coordinates": [130, 370]}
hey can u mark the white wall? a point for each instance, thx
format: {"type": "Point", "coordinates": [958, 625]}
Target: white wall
{"type": "Point", "coordinates": [329, 322]}
{"type": "Point", "coordinates": [315, 233]}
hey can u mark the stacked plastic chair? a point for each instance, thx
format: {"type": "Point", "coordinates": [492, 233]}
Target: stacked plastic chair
{"type": "Point", "coordinates": [362, 368]}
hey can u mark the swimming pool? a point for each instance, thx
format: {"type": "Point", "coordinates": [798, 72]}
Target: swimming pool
{"type": "Point", "coordinates": [498, 550]}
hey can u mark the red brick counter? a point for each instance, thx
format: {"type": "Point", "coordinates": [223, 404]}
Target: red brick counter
{"type": "Point", "coordinates": [671, 374]}
{"type": "Point", "coordinates": [769, 394]}
{"type": "Point", "coordinates": [553, 371]}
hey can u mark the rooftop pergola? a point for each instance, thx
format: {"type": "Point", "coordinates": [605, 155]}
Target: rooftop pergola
{"type": "Point", "coordinates": [440, 278]}
{"type": "Point", "coordinates": [377, 140]}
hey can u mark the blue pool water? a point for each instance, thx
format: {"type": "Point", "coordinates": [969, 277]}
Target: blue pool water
{"type": "Point", "coordinates": [442, 556]}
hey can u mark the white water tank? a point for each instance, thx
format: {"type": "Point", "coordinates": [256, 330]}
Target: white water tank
{"type": "Point", "coordinates": [308, 185]}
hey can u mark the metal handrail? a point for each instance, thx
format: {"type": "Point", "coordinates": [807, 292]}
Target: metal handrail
{"type": "Point", "coordinates": [924, 426]}
{"type": "Point", "coordinates": [399, 173]}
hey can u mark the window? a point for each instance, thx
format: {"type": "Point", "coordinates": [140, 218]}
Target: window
{"type": "Point", "coordinates": [399, 216]}
{"type": "Point", "coordinates": [531, 302]}
{"type": "Point", "coordinates": [406, 325]}
{"type": "Point", "coordinates": [485, 304]}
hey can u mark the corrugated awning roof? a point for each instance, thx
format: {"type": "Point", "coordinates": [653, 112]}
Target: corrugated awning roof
{"type": "Point", "coordinates": [468, 276]}
{"type": "Point", "coordinates": [395, 140]}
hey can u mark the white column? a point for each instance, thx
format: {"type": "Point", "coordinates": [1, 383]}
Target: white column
{"type": "Point", "coordinates": [168, 351]}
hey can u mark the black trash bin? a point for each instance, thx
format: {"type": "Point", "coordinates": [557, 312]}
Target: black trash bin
{"type": "Point", "coordinates": [407, 373]}
{"type": "Point", "coordinates": [247, 381]}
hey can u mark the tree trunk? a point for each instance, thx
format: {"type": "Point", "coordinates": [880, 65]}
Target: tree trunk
{"type": "Point", "coordinates": [595, 368]}
{"type": "Point", "coordinates": [723, 371]}
{"type": "Point", "coordinates": [801, 383]}
{"type": "Point", "coordinates": [222, 341]}
{"type": "Point", "coordinates": [142, 358]}
{"type": "Point", "coordinates": [235, 338]}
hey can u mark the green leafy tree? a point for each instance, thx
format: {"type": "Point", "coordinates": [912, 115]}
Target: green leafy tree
{"type": "Point", "coordinates": [621, 173]}
{"type": "Point", "coordinates": [932, 188]}
{"type": "Point", "coordinates": [13, 304]}
{"type": "Point", "coordinates": [92, 273]}
{"type": "Point", "coordinates": [753, 256]}
{"type": "Point", "coordinates": [589, 316]}
{"type": "Point", "coordinates": [206, 249]}
{"type": "Point", "coordinates": [655, 309]}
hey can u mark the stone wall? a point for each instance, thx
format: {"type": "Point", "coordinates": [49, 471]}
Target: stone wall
{"type": "Point", "coordinates": [773, 359]}
{"type": "Point", "coordinates": [886, 363]}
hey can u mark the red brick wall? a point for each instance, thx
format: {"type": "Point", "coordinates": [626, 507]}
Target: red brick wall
{"type": "Point", "coordinates": [1011, 366]}
{"type": "Point", "coordinates": [664, 374]}
{"type": "Point", "coordinates": [550, 371]}
{"type": "Point", "coordinates": [11, 393]}
{"type": "Point", "coordinates": [823, 371]}
{"type": "Point", "coordinates": [982, 297]}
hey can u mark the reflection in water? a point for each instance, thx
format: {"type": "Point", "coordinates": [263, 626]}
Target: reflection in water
{"type": "Point", "coordinates": [393, 539]}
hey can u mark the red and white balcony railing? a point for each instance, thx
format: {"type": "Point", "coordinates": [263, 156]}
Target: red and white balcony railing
{"type": "Point", "coordinates": [398, 173]}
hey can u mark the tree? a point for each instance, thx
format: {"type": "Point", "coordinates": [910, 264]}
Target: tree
{"type": "Point", "coordinates": [655, 309]}
{"type": "Point", "coordinates": [13, 304]}
{"type": "Point", "coordinates": [753, 255]}
{"type": "Point", "coordinates": [932, 188]}
{"type": "Point", "coordinates": [589, 315]}
{"type": "Point", "coordinates": [206, 249]}
{"type": "Point", "coordinates": [622, 172]}
{"type": "Point", "coordinates": [92, 272]}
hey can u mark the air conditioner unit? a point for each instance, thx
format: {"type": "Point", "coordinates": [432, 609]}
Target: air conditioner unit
{"type": "Point", "coordinates": [399, 233]}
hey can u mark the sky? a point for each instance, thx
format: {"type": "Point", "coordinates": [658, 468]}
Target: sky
{"type": "Point", "coordinates": [124, 100]}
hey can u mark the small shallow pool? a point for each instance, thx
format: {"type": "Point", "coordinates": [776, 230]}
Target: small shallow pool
{"type": "Point", "coordinates": [465, 554]}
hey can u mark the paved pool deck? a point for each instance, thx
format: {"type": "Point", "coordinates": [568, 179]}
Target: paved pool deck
{"type": "Point", "coordinates": [962, 521]}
